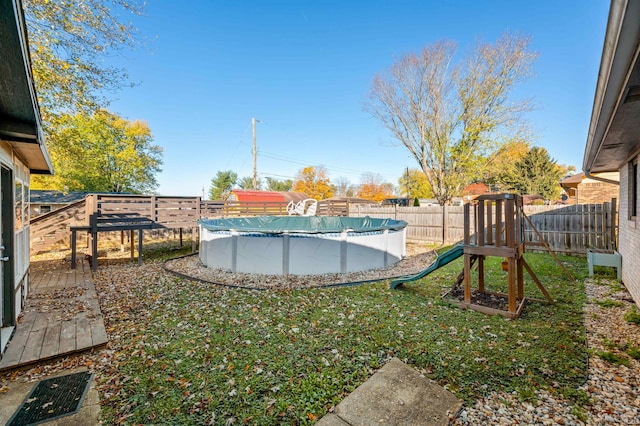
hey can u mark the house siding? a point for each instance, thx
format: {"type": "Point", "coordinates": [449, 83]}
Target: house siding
{"type": "Point", "coordinates": [20, 256]}
{"type": "Point", "coordinates": [629, 240]}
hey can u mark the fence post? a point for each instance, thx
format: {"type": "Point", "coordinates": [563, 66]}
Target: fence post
{"type": "Point", "coordinates": [445, 223]}
{"type": "Point", "coordinates": [613, 216]}
{"type": "Point", "coordinates": [606, 242]}
{"type": "Point", "coordinates": [194, 230]}
{"type": "Point", "coordinates": [153, 210]}
{"type": "Point", "coordinates": [91, 220]}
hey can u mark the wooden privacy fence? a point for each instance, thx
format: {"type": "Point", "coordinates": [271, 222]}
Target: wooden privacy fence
{"type": "Point", "coordinates": [51, 228]}
{"type": "Point", "coordinates": [576, 228]}
{"type": "Point", "coordinates": [431, 224]}
{"type": "Point", "coordinates": [567, 229]}
{"type": "Point", "coordinates": [109, 212]}
{"type": "Point", "coordinates": [272, 208]}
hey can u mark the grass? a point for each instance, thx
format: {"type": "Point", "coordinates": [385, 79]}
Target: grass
{"type": "Point", "coordinates": [613, 358]}
{"type": "Point", "coordinates": [633, 352]}
{"type": "Point", "coordinates": [192, 353]}
{"type": "Point", "coordinates": [632, 316]}
{"type": "Point", "coordinates": [609, 303]}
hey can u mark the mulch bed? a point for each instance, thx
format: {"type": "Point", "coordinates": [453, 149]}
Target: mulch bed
{"type": "Point", "coordinates": [480, 298]}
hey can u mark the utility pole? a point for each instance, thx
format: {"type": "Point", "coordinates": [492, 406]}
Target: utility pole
{"type": "Point", "coordinates": [255, 154]}
{"type": "Point", "coordinates": [408, 187]}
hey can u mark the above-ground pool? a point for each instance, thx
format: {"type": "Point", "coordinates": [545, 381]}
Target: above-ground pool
{"type": "Point", "coordinates": [301, 245]}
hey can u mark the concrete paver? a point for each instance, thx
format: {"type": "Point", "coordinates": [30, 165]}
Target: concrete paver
{"type": "Point", "coordinates": [396, 395]}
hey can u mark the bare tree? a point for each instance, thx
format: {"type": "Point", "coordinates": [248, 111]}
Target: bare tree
{"type": "Point", "coordinates": [452, 116]}
{"type": "Point", "coordinates": [343, 187]}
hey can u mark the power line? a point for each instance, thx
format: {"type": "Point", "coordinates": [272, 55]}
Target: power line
{"type": "Point", "coordinates": [235, 150]}
{"type": "Point", "coordinates": [328, 167]}
{"type": "Point", "coordinates": [276, 175]}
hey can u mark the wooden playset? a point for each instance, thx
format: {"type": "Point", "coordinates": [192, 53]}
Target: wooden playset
{"type": "Point", "coordinates": [494, 226]}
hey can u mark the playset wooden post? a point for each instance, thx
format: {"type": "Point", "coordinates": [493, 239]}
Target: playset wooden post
{"type": "Point", "coordinates": [496, 232]}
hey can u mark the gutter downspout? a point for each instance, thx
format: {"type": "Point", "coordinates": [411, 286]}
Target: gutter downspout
{"type": "Point", "coordinates": [588, 174]}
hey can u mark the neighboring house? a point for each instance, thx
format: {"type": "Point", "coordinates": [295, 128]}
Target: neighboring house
{"type": "Point", "coordinates": [613, 142]}
{"type": "Point", "coordinates": [22, 152]}
{"type": "Point", "coordinates": [43, 201]}
{"type": "Point", "coordinates": [583, 190]}
{"type": "Point", "coordinates": [533, 200]}
{"type": "Point", "coordinates": [265, 196]}
{"type": "Point", "coordinates": [472, 191]}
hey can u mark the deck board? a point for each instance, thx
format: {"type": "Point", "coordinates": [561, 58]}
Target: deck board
{"type": "Point", "coordinates": [33, 345]}
{"type": "Point", "coordinates": [98, 332]}
{"type": "Point", "coordinates": [51, 343]}
{"type": "Point", "coordinates": [52, 324]}
{"type": "Point", "coordinates": [83, 332]}
{"type": "Point", "coordinates": [68, 336]}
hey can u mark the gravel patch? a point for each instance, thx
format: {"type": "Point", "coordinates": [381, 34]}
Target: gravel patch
{"type": "Point", "coordinates": [418, 258]}
{"type": "Point", "coordinates": [613, 389]}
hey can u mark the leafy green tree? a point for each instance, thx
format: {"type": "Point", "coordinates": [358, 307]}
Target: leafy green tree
{"type": "Point", "coordinates": [502, 163]}
{"type": "Point", "coordinates": [68, 41]}
{"type": "Point", "coordinates": [101, 152]}
{"type": "Point", "coordinates": [279, 185]}
{"type": "Point", "coordinates": [247, 183]}
{"type": "Point", "coordinates": [222, 184]}
{"type": "Point", "coordinates": [536, 174]}
{"type": "Point", "coordinates": [314, 182]}
{"type": "Point", "coordinates": [452, 116]}
{"type": "Point", "coordinates": [414, 184]}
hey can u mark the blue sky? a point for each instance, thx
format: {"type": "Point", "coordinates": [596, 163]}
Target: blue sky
{"type": "Point", "coordinates": [304, 69]}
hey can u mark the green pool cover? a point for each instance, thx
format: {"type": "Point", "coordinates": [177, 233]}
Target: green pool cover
{"type": "Point", "coordinates": [302, 224]}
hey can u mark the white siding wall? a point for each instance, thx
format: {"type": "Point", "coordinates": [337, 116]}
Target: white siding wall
{"type": "Point", "coordinates": [21, 239]}
{"type": "Point", "coordinates": [629, 244]}
{"type": "Point", "coordinates": [22, 175]}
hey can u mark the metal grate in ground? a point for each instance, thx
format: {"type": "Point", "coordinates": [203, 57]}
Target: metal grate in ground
{"type": "Point", "coordinates": [52, 398]}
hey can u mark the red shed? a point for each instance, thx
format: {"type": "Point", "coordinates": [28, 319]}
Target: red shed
{"type": "Point", "coordinates": [266, 196]}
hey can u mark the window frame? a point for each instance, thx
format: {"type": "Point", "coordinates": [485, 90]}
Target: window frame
{"type": "Point", "coordinates": [632, 192]}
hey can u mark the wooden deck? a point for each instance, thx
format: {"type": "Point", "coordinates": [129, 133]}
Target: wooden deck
{"type": "Point", "coordinates": [61, 316]}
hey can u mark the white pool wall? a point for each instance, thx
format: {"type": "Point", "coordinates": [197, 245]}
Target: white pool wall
{"type": "Point", "coordinates": [301, 254]}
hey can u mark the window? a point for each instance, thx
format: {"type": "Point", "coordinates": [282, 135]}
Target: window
{"type": "Point", "coordinates": [45, 209]}
{"type": "Point", "coordinates": [633, 189]}
{"type": "Point", "coordinates": [18, 205]}
{"type": "Point", "coordinates": [26, 214]}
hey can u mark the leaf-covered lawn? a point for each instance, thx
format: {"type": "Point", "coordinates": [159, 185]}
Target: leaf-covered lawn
{"type": "Point", "coordinates": [185, 352]}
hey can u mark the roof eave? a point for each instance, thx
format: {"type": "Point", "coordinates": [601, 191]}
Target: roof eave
{"type": "Point", "coordinates": [619, 54]}
{"type": "Point", "coordinates": [19, 134]}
